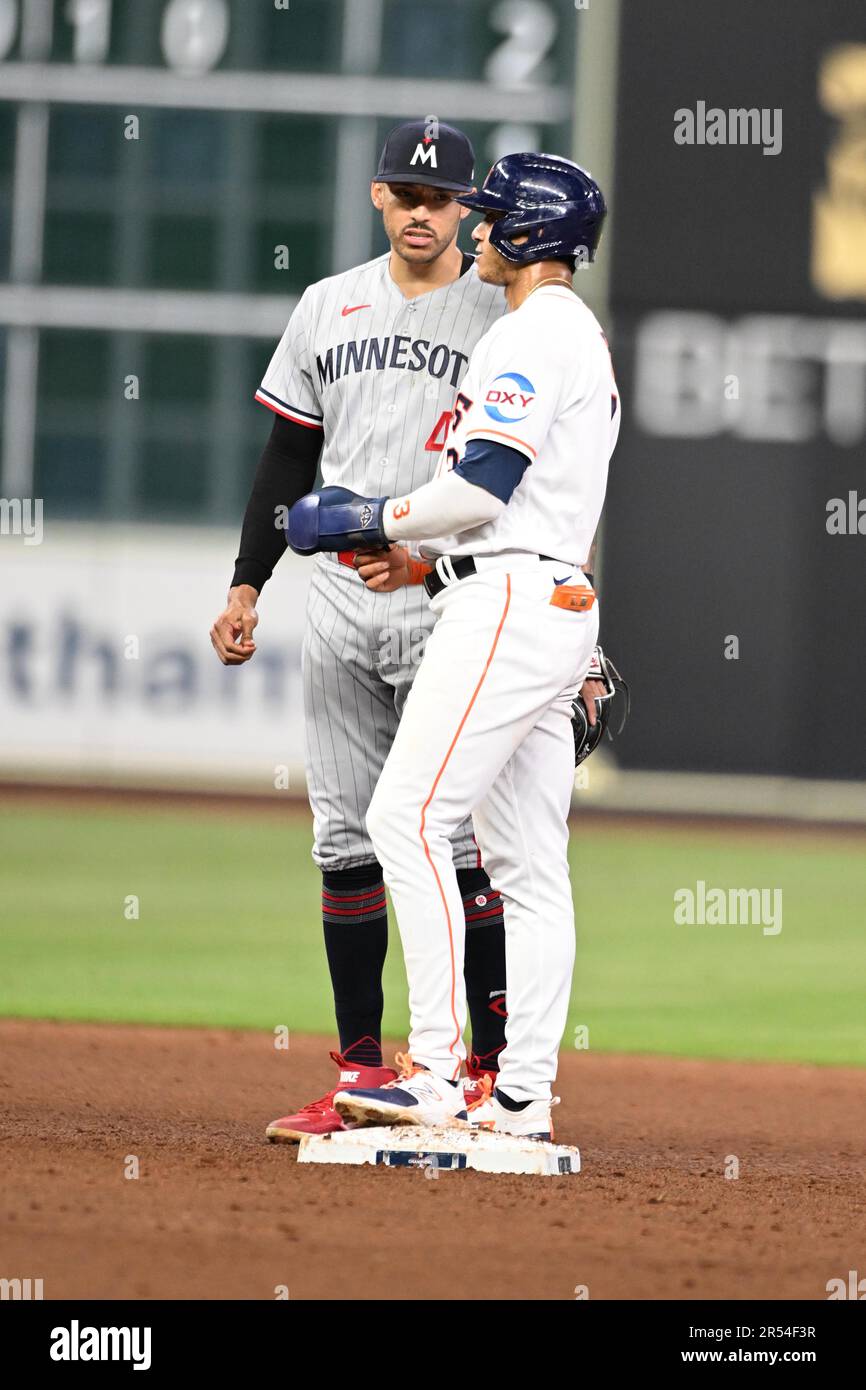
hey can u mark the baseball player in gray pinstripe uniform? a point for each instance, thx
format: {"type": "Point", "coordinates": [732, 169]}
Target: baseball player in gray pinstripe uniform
{"type": "Point", "coordinates": [362, 386]}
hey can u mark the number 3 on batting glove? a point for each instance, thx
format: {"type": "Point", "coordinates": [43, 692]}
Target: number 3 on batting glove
{"type": "Point", "coordinates": [336, 519]}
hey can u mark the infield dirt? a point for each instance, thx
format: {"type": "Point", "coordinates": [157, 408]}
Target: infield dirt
{"type": "Point", "coordinates": [217, 1212]}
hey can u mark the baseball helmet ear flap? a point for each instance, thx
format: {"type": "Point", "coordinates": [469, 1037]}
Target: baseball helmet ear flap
{"type": "Point", "coordinates": [546, 237]}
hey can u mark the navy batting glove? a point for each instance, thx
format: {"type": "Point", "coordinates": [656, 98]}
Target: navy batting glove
{"type": "Point", "coordinates": [336, 519]}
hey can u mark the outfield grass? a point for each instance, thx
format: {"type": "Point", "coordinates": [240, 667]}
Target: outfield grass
{"type": "Point", "coordinates": [229, 933]}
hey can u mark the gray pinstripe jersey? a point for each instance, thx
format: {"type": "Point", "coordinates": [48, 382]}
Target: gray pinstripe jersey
{"type": "Point", "coordinates": [377, 373]}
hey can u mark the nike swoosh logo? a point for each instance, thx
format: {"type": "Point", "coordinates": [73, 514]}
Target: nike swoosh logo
{"type": "Point", "coordinates": [562, 581]}
{"type": "Point", "coordinates": [353, 308]}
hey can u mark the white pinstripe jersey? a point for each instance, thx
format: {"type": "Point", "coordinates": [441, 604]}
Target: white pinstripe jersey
{"type": "Point", "coordinates": [378, 372]}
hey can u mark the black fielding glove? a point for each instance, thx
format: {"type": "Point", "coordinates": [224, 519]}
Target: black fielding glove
{"type": "Point", "coordinates": [588, 736]}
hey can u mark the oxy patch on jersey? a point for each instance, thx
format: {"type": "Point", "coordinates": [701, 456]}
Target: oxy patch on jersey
{"type": "Point", "coordinates": [510, 397]}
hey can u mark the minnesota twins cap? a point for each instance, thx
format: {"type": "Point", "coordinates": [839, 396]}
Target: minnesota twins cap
{"type": "Point", "coordinates": [428, 152]}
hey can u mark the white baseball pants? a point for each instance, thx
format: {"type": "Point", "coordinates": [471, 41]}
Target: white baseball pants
{"type": "Point", "coordinates": [486, 729]}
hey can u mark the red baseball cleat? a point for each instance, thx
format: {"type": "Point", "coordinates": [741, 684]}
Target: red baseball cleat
{"type": "Point", "coordinates": [477, 1095]}
{"type": "Point", "coordinates": [478, 1086]}
{"type": "Point", "coordinates": [320, 1117]}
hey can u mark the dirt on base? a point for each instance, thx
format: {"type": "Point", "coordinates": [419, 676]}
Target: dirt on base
{"type": "Point", "coordinates": [217, 1212]}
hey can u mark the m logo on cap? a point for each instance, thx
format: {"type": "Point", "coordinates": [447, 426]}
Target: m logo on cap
{"type": "Point", "coordinates": [427, 156]}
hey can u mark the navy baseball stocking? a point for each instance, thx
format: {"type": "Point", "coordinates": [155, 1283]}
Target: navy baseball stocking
{"type": "Point", "coordinates": [484, 968]}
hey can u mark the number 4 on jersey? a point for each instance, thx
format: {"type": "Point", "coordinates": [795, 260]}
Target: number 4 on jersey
{"type": "Point", "coordinates": [439, 432]}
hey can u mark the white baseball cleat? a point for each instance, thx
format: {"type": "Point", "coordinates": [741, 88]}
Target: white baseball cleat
{"type": "Point", "coordinates": [416, 1097]}
{"type": "Point", "coordinates": [532, 1122]}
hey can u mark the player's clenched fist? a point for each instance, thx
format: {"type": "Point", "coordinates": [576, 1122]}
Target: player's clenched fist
{"type": "Point", "coordinates": [384, 570]}
{"type": "Point", "coordinates": [232, 633]}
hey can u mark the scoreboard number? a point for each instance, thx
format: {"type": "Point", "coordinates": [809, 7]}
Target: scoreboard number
{"type": "Point", "coordinates": [8, 25]}
{"type": "Point", "coordinates": [531, 27]}
{"type": "Point", "coordinates": [193, 33]}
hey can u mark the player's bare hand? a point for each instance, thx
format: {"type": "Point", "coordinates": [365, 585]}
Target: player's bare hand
{"type": "Point", "coordinates": [383, 570]}
{"type": "Point", "coordinates": [232, 633]}
{"type": "Point", "coordinates": [589, 692]}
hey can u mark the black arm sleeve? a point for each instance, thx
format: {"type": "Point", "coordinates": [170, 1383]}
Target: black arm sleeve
{"type": "Point", "coordinates": [287, 469]}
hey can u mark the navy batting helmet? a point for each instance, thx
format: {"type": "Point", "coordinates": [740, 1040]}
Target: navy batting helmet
{"type": "Point", "coordinates": [550, 200]}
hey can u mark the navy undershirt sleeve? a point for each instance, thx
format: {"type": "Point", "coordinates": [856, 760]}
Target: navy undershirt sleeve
{"type": "Point", "coordinates": [495, 467]}
{"type": "Point", "coordinates": [287, 469]}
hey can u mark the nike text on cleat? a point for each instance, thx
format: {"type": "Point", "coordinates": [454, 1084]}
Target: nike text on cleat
{"type": "Point", "coordinates": [320, 1117]}
{"type": "Point", "coordinates": [416, 1097]}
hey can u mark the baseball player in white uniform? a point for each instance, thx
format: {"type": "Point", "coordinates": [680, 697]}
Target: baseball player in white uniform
{"type": "Point", "coordinates": [361, 387]}
{"type": "Point", "coordinates": [486, 729]}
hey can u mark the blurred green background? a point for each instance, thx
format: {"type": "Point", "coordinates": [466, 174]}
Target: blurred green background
{"type": "Point", "coordinates": [229, 931]}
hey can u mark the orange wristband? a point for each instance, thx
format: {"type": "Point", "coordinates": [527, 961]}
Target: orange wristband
{"type": "Point", "coordinates": [418, 571]}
